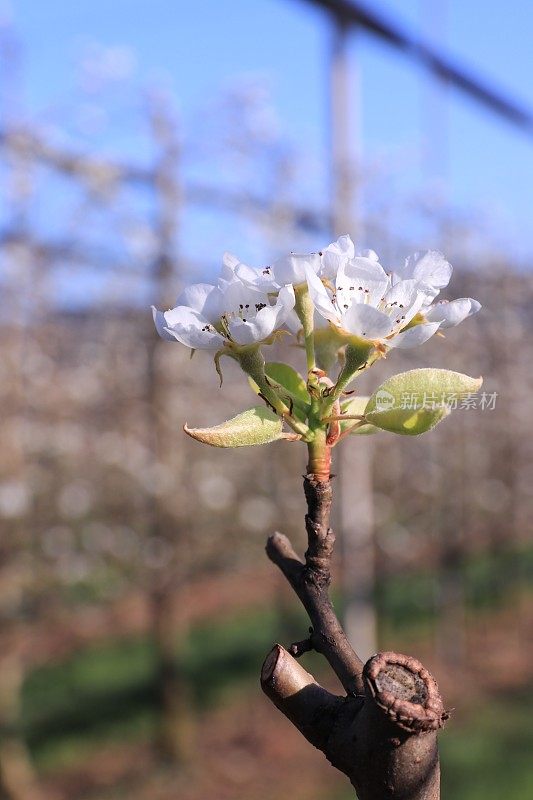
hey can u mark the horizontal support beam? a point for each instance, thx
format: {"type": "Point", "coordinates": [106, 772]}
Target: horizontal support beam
{"type": "Point", "coordinates": [352, 13]}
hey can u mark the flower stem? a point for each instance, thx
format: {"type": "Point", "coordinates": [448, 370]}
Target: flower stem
{"type": "Point", "coordinates": [342, 417]}
{"type": "Point", "coordinates": [253, 364]}
{"type": "Point", "coordinates": [356, 359]}
{"type": "Point", "coordinates": [319, 464]}
{"type": "Point", "coordinates": [305, 310]}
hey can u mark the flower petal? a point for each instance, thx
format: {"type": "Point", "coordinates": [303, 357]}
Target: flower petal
{"type": "Point", "coordinates": [370, 254]}
{"type": "Point", "coordinates": [416, 335]}
{"type": "Point", "coordinates": [227, 273]}
{"type": "Point", "coordinates": [160, 325]}
{"type": "Point", "coordinates": [250, 331]}
{"type": "Point", "coordinates": [361, 280]}
{"type": "Point", "coordinates": [366, 321]}
{"type": "Point", "coordinates": [237, 296]}
{"type": "Point", "coordinates": [192, 329]}
{"type": "Point", "coordinates": [257, 328]}
{"type": "Point", "coordinates": [293, 322]}
{"type": "Point", "coordinates": [261, 279]}
{"type": "Point", "coordinates": [402, 301]}
{"type": "Point", "coordinates": [450, 314]}
{"type": "Point", "coordinates": [204, 298]}
{"type": "Point", "coordinates": [286, 298]}
{"type": "Point", "coordinates": [266, 320]}
{"type": "Point", "coordinates": [336, 254]}
{"type": "Point", "coordinates": [230, 261]}
{"type": "Point", "coordinates": [429, 268]}
{"type": "Point", "coordinates": [320, 297]}
{"type": "Point", "coordinates": [278, 314]}
{"type": "Point", "coordinates": [292, 268]}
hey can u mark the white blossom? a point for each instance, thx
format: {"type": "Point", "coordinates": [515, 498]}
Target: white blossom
{"type": "Point", "coordinates": [394, 309]}
{"type": "Point", "coordinates": [433, 272]}
{"type": "Point", "coordinates": [210, 316]}
{"type": "Point", "coordinates": [350, 290]}
{"type": "Point", "coordinates": [293, 268]}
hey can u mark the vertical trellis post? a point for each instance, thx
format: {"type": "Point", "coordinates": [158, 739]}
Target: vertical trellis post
{"type": "Point", "coordinates": [355, 463]}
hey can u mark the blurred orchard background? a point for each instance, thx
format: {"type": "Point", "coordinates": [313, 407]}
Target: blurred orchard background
{"type": "Point", "coordinates": [138, 141]}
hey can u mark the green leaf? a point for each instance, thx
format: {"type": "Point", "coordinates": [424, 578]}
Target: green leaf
{"type": "Point", "coordinates": [293, 387]}
{"type": "Point", "coordinates": [413, 402]}
{"type": "Point", "coordinates": [355, 406]}
{"type": "Point", "coordinates": [291, 380]}
{"type": "Point", "coordinates": [409, 423]}
{"type": "Point", "coordinates": [258, 425]}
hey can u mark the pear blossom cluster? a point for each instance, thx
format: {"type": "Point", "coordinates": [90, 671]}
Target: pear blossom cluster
{"type": "Point", "coordinates": [230, 312]}
{"type": "Point", "coordinates": [351, 292]}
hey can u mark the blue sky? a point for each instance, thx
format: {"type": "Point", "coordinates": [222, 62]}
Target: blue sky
{"type": "Point", "coordinates": [205, 45]}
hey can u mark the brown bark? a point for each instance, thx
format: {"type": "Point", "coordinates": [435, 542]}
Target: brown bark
{"type": "Point", "coordinates": [311, 580]}
{"type": "Point", "coordinates": [383, 734]}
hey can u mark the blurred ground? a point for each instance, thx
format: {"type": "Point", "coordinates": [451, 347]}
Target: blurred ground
{"type": "Point", "coordinates": [237, 738]}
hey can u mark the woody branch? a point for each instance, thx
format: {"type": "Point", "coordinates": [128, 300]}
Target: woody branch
{"type": "Point", "coordinates": [383, 734]}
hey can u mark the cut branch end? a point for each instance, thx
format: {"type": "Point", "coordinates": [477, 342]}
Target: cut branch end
{"type": "Point", "coordinates": [407, 693]}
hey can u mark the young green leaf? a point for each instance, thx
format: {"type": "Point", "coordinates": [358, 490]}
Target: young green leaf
{"type": "Point", "coordinates": [293, 386]}
{"type": "Point", "coordinates": [413, 402]}
{"type": "Point", "coordinates": [258, 425]}
{"type": "Point", "coordinates": [407, 422]}
{"type": "Point", "coordinates": [292, 381]}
